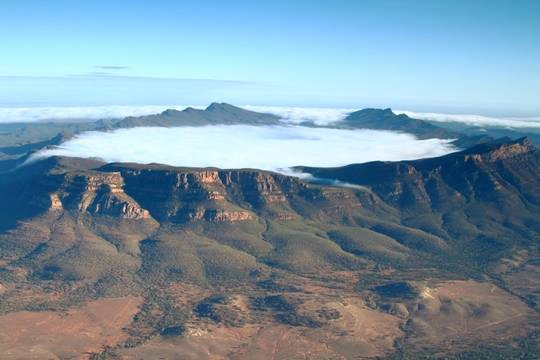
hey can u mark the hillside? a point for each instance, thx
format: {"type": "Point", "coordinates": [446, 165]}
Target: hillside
{"type": "Point", "coordinates": [484, 198]}
{"type": "Point", "coordinates": [224, 261]}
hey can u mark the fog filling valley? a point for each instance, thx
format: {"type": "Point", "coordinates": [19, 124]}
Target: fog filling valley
{"type": "Point", "coordinates": [275, 148]}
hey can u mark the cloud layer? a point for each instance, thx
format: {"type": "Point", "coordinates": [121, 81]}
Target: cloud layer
{"type": "Point", "coordinates": [476, 120]}
{"type": "Point", "coordinates": [65, 113]}
{"type": "Point", "coordinates": [296, 115]}
{"type": "Point", "coordinates": [291, 115]}
{"type": "Point", "coordinates": [270, 148]}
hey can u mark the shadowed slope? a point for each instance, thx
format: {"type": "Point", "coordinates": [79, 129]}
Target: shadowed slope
{"type": "Point", "coordinates": [229, 260]}
{"type": "Point", "coordinates": [214, 114]}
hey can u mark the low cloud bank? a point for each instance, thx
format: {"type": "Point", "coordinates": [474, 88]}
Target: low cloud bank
{"type": "Point", "coordinates": [296, 115]}
{"type": "Point", "coordinates": [290, 115]}
{"type": "Point", "coordinates": [275, 148]}
{"type": "Point", "coordinates": [65, 113]}
{"type": "Point", "coordinates": [293, 115]}
{"type": "Point", "coordinates": [322, 181]}
{"type": "Point", "coordinates": [476, 120]}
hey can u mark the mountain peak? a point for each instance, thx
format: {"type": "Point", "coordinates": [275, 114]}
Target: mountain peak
{"type": "Point", "coordinates": [373, 112]}
{"type": "Point", "coordinates": [190, 109]}
{"type": "Point", "coordinates": [221, 106]}
{"type": "Point", "coordinates": [170, 112]}
{"type": "Point", "coordinates": [386, 119]}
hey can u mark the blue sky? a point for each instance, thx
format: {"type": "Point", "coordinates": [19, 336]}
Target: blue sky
{"type": "Point", "coordinates": [481, 56]}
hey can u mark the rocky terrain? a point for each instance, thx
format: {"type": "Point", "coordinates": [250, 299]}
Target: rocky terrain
{"type": "Point", "coordinates": [415, 258]}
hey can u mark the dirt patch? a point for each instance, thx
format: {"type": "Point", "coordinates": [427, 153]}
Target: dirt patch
{"type": "Point", "coordinates": [526, 282]}
{"type": "Point", "coordinates": [468, 311]}
{"type": "Point", "coordinates": [352, 331]}
{"type": "Point", "coordinates": [70, 335]}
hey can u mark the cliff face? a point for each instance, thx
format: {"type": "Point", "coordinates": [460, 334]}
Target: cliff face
{"type": "Point", "coordinates": [179, 195]}
{"type": "Point", "coordinates": [171, 222]}
{"type": "Point", "coordinates": [96, 193]}
{"type": "Point", "coordinates": [465, 195]}
{"type": "Point", "coordinates": [170, 196]}
{"type": "Point", "coordinates": [166, 194]}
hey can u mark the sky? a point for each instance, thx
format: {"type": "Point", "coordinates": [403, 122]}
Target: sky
{"type": "Point", "coordinates": [461, 56]}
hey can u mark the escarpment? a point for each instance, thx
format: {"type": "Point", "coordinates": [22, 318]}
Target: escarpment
{"type": "Point", "coordinates": [180, 195]}
{"type": "Point", "coordinates": [96, 193]}
{"type": "Point", "coordinates": [487, 172]}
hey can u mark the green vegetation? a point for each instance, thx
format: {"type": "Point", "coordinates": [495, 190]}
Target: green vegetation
{"type": "Point", "coordinates": [300, 255]}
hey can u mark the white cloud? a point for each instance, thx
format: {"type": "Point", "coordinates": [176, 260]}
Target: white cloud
{"type": "Point", "coordinates": [240, 146]}
{"type": "Point", "coordinates": [290, 115]}
{"type": "Point", "coordinates": [476, 120]}
{"type": "Point", "coordinates": [296, 115]}
{"type": "Point", "coordinates": [63, 113]}
{"type": "Point", "coordinates": [323, 181]}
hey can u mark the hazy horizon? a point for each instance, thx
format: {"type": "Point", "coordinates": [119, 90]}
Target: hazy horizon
{"type": "Point", "coordinates": [292, 114]}
{"type": "Point", "coordinates": [462, 57]}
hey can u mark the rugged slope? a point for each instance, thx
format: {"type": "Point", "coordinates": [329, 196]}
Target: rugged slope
{"type": "Point", "coordinates": [484, 201]}
{"type": "Point", "coordinates": [425, 252]}
{"type": "Point", "coordinates": [256, 208]}
{"type": "Point", "coordinates": [499, 175]}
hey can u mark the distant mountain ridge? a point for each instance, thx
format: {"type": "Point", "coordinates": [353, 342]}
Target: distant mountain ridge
{"type": "Point", "coordinates": [226, 114]}
{"type": "Point", "coordinates": [26, 138]}
{"type": "Point", "coordinates": [385, 119]}
{"type": "Point", "coordinates": [214, 114]}
{"type": "Point", "coordinates": [374, 119]}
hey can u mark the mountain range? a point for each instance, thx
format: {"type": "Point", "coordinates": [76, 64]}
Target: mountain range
{"type": "Point", "coordinates": [17, 140]}
{"type": "Point", "coordinates": [430, 258]}
{"type": "Point", "coordinates": [214, 114]}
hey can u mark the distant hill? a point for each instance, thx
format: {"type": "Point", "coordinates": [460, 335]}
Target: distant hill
{"type": "Point", "coordinates": [214, 114]}
{"type": "Point", "coordinates": [385, 119]}
{"type": "Point", "coordinates": [226, 114]}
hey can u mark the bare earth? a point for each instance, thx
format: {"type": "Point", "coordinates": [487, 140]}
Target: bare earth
{"type": "Point", "coordinates": [71, 335]}
{"type": "Point", "coordinates": [359, 332]}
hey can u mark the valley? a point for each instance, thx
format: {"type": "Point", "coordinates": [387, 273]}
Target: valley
{"type": "Point", "coordinates": [425, 257]}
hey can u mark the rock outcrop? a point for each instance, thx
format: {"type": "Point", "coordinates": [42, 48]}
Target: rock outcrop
{"type": "Point", "coordinates": [96, 193]}
{"type": "Point", "coordinates": [499, 152]}
{"type": "Point", "coordinates": [179, 195]}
